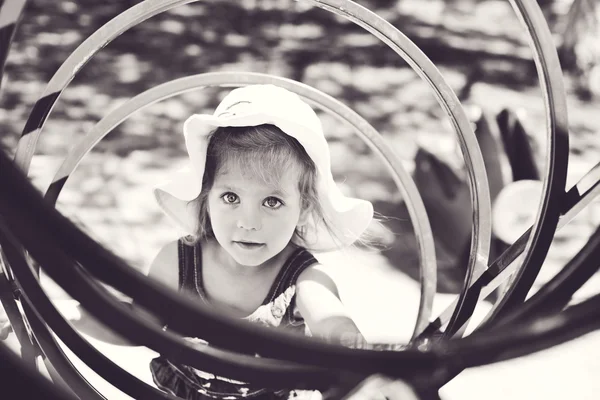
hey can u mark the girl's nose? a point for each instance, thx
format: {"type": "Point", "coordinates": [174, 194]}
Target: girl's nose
{"type": "Point", "coordinates": [249, 220]}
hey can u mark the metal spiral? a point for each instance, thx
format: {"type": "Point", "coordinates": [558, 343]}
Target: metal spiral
{"type": "Point", "coordinates": [33, 233]}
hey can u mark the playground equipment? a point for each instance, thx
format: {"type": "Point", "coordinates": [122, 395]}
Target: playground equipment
{"type": "Point", "coordinates": [33, 235]}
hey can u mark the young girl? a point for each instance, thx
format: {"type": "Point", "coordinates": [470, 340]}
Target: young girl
{"type": "Point", "coordinates": [256, 199]}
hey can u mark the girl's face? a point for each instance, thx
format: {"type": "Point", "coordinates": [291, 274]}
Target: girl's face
{"type": "Point", "coordinates": [251, 220]}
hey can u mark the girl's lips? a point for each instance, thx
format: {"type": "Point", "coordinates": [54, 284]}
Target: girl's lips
{"type": "Point", "coordinates": [249, 245]}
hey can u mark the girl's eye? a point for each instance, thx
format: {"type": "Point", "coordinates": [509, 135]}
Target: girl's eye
{"type": "Point", "coordinates": [229, 198]}
{"type": "Point", "coordinates": [273, 203]}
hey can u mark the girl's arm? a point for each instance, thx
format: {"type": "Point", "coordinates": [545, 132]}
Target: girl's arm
{"type": "Point", "coordinates": [318, 301]}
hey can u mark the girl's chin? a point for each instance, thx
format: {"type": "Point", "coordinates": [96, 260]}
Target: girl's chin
{"type": "Point", "coordinates": [249, 261]}
{"type": "Point", "coordinates": [252, 258]}
{"type": "Point", "coordinates": [248, 256]}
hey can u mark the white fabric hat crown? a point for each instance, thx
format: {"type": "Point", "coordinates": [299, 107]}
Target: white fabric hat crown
{"type": "Point", "coordinates": [257, 105]}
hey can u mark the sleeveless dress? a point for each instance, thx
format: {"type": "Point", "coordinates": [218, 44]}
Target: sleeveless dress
{"type": "Point", "coordinates": [277, 311]}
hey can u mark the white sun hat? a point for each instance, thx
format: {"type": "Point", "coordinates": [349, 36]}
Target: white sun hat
{"type": "Point", "coordinates": [252, 106]}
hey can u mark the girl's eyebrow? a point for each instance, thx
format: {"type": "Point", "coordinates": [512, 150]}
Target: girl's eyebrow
{"type": "Point", "coordinates": [277, 192]}
{"type": "Point", "coordinates": [226, 187]}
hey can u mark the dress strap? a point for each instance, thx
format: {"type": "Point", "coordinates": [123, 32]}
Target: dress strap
{"type": "Point", "coordinates": [296, 263]}
{"type": "Point", "coordinates": [190, 272]}
{"type": "Point", "coordinates": [189, 258]}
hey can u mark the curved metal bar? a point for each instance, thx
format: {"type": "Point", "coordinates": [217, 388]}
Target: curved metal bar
{"type": "Point", "coordinates": [16, 377]}
{"type": "Point", "coordinates": [361, 127]}
{"type": "Point", "coordinates": [46, 342]}
{"type": "Point", "coordinates": [581, 194]}
{"type": "Point", "coordinates": [477, 177]}
{"type": "Point", "coordinates": [551, 298]}
{"type": "Point", "coordinates": [10, 14]}
{"type": "Point", "coordinates": [526, 337]}
{"type": "Point", "coordinates": [7, 300]}
{"type": "Point", "coordinates": [74, 63]}
{"type": "Point", "coordinates": [534, 245]}
{"type": "Point", "coordinates": [481, 233]}
{"type": "Point", "coordinates": [555, 176]}
{"type": "Point", "coordinates": [42, 306]}
{"type": "Point", "coordinates": [67, 371]}
{"type": "Point", "coordinates": [557, 292]}
{"type": "Point", "coordinates": [30, 218]}
{"type": "Point", "coordinates": [577, 198]}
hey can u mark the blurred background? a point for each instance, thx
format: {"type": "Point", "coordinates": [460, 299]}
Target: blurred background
{"type": "Point", "coordinates": [480, 48]}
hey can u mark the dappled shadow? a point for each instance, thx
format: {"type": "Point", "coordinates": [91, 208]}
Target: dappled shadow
{"type": "Point", "coordinates": [285, 38]}
{"type": "Point", "coordinates": [282, 37]}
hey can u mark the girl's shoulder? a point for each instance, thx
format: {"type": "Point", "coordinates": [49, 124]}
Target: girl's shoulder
{"type": "Point", "coordinates": [318, 301]}
{"type": "Point", "coordinates": [318, 274]}
{"type": "Point", "coordinates": [165, 266]}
